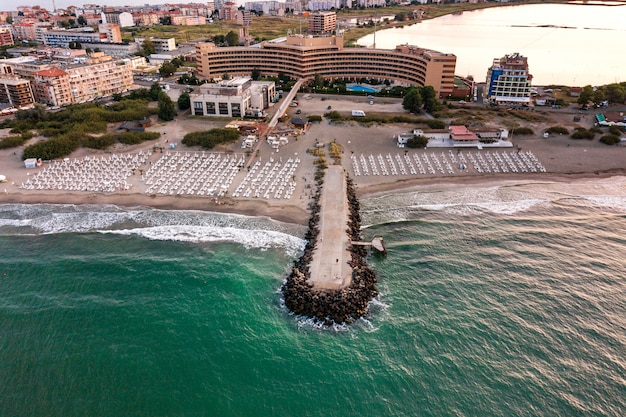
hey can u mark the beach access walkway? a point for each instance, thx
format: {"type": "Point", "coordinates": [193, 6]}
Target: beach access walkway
{"type": "Point", "coordinates": [329, 267]}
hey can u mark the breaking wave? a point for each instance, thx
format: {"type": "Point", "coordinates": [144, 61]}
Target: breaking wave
{"type": "Point", "coordinates": [172, 225]}
{"type": "Point", "coordinates": [505, 199]}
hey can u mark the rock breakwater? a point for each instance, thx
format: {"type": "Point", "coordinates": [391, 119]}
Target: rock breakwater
{"type": "Point", "coordinates": [331, 306]}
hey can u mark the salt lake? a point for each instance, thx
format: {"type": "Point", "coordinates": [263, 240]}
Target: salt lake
{"type": "Point", "coordinates": [571, 44]}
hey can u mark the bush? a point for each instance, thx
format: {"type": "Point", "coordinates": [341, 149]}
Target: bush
{"type": "Point", "coordinates": [58, 147]}
{"type": "Point", "coordinates": [610, 139]}
{"type": "Point", "coordinates": [616, 130]}
{"type": "Point", "coordinates": [211, 138]}
{"type": "Point", "coordinates": [435, 124]}
{"type": "Point", "coordinates": [582, 133]}
{"type": "Point", "coordinates": [99, 142]}
{"type": "Point", "coordinates": [417, 142]}
{"type": "Point", "coordinates": [557, 130]}
{"type": "Point", "coordinates": [12, 142]}
{"type": "Point", "coordinates": [335, 116]}
{"type": "Point", "coordinates": [134, 138]}
{"type": "Point", "coordinates": [315, 118]}
{"type": "Point", "coordinates": [522, 131]}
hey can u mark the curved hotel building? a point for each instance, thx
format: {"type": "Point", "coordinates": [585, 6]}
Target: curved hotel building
{"type": "Point", "coordinates": [304, 56]}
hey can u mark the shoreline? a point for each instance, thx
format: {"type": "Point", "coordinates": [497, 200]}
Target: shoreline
{"type": "Point", "coordinates": [291, 213]}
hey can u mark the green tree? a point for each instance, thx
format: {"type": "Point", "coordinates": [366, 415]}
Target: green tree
{"type": "Point", "coordinates": [167, 69]}
{"type": "Point", "coordinates": [615, 93]}
{"type": "Point", "coordinates": [412, 101]}
{"type": "Point", "coordinates": [184, 101]}
{"type": "Point", "coordinates": [417, 141]}
{"type": "Point", "coordinates": [147, 47]}
{"type": "Point", "coordinates": [9, 20]}
{"type": "Point", "coordinates": [256, 74]}
{"type": "Point", "coordinates": [598, 96]}
{"type": "Point", "coordinates": [585, 95]}
{"type": "Point", "coordinates": [165, 21]}
{"type": "Point", "coordinates": [429, 95]}
{"type": "Point", "coordinates": [167, 111]}
{"type": "Point", "coordinates": [318, 81]}
{"type": "Point", "coordinates": [82, 21]}
{"type": "Point", "coordinates": [232, 38]}
{"type": "Point", "coordinates": [71, 22]}
{"type": "Point", "coordinates": [155, 91]}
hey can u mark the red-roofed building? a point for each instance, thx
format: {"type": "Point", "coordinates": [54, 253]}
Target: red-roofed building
{"type": "Point", "coordinates": [6, 38]}
{"type": "Point", "coordinates": [462, 135]}
{"type": "Point", "coordinates": [52, 87]}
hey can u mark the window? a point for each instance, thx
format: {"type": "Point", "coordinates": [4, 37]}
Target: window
{"type": "Point", "coordinates": [235, 109]}
{"type": "Point", "coordinates": [210, 108]}
{"type": "Point", "coordinates": [223, 108]}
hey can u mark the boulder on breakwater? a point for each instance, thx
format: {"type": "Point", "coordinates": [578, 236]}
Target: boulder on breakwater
{"type": "Point", "coordinates": [331, 306]}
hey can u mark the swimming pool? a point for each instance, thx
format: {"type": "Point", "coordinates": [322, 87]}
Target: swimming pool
{"type": "Point", "coordinates": [360, 88]}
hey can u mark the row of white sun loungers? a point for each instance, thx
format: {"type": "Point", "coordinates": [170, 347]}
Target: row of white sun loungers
{"type": "Point", "coordinates": [273, 179]}
{"type": "Point", "coordinates": [193, 173]}
{"type": "Point", "coordinates": [105, 174]}
{"type": "Point", "coordinates": [445, 163]}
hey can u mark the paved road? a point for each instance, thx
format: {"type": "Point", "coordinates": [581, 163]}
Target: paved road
{"type": "Point", "coordinates": [329, 267]}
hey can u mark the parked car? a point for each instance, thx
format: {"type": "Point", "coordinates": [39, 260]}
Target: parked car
{"type": "Point", "coordinates": [298, 111]}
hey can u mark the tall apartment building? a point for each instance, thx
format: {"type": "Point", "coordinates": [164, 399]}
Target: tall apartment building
{"type": "Point", "coordinates": [228, 11]}
{"type": "Point", "coordinates": [111, 31]}
{"type": "Point", "coordinates": [6, 37]}
{"type": "Point", "coordinates": [508, 80]}
{"type": "Point", "coordinates": [79, 83]}
{"type": "Point", "coordinates": [160, 44]}
{"type": "Point", "coordinates": [15, 91]}
{"type": "Point", "coordinates": [124, 19]}
{"type": "Point", "coordinates": [306, 57]}
{"type": "Point", "coordinates": [322, 23]}
{"type": "Point", "coordinates": [52, 87]}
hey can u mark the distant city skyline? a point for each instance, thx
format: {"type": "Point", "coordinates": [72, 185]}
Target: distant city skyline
{"type": "Point", "coordinates": [8, 5]}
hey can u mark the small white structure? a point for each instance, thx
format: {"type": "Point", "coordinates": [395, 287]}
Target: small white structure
{"type": "Point", "coordinates": [249, 141]}
{"type": "Point", "coordinates": [32, 163]}
{"type": "Point", "coordinates": [276, 142]}
{"type": "Point", "coordinates": [358, 113]}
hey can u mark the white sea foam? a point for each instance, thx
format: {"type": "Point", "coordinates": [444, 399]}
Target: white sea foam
{"type": "Point", "coordinates": [506, 199]}
{"type": "Point", "coordinates": [175, 225]}
{"type": "Point", "coordinates": [611, 201]}
{"type": "Point", "coordinates": [262, 239]}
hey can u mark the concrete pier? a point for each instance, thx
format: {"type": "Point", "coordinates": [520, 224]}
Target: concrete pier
{"type": "Point", "coordinates": [329, 267]}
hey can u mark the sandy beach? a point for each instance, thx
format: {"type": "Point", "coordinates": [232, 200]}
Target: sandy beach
{"type": "Point", "coordinates": [564, 159]}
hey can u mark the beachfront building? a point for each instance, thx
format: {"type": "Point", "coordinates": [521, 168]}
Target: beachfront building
{"type": "Point", "coordinates": [508, 80]}
{"type": "Point", "coordinates": [52, 87]}
{"type": "Point", "coordinates": [305, 57]}
{"type": "Point", "coordinates": [77, 83]}
{"type": "Point", "coordinates": [15, 91]}
{"type": "Point", "coordinates": [236, 97]}
{"type": "Point", "coordinates": [459, 136]}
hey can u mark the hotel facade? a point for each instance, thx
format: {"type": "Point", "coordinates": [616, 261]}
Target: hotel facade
{"type": "Point", "coordinates": [305, 57]}
{"type": "Point", "coordinates": [508, 80]}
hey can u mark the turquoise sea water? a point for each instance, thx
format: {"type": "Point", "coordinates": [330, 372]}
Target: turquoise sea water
{"type": "Point", "coordinates": [498, 301]}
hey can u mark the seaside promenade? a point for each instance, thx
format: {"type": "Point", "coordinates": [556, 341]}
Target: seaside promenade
{"type": "Point", "coordinates": [329, 267]}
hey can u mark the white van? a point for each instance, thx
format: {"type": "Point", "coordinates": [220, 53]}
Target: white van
{"type": "Point", "coordinates": [358, 113]}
